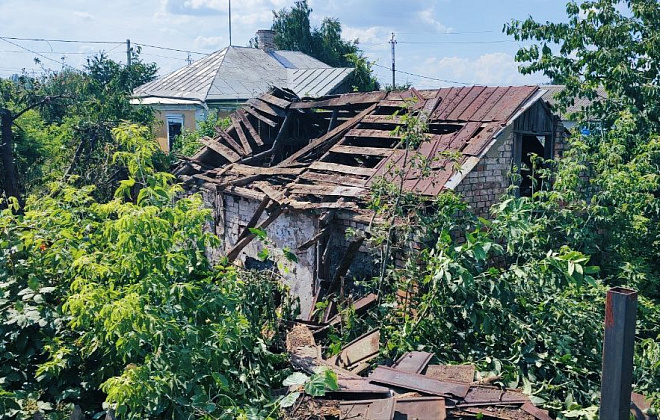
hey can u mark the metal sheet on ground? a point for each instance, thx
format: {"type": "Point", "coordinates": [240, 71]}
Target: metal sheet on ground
{"type": "Point", "coordinates": [415, 382]}
{"type": "Point", "coordinates": [421, 408]}
{"type": "Point", "coordinates": [367, 410]}
{"type": "Point", "coordinates": [413, 361]}
{"type": "Point", "coordinates": [457, 373]}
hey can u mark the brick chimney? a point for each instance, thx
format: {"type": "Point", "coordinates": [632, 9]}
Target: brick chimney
{"type": "Point", "coordinates": [266, 39]}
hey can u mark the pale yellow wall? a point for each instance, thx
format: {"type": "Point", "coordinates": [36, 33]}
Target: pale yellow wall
{"type": "Point", "coordinates": [161, 124]}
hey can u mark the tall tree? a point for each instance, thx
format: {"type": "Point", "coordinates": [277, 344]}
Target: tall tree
{"type": "Point", "coordinates": [612, 213]}
{"type": "Point", "coordinates": [293, 31]}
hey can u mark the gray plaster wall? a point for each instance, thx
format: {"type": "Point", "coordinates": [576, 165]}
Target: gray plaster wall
{"type": "Point", "coordinates": [290, 230]}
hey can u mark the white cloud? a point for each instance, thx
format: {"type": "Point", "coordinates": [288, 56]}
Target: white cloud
{"type": "Point", "coordinates": [489, 69]}
{"type": "Point", "coordinates": [376, 37]}
{"type": "Point", "coordinates": [213, 42]}
{"type": "Point", "coordinates": [428, 17]}
{"type": "Point", "coordinates": [84, 15]}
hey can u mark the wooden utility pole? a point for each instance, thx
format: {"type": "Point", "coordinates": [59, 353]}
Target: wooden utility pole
{"type": "Point", "coordinates": [10, 179]}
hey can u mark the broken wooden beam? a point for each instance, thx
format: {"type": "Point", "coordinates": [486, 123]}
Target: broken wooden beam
{"type": "Point", "coordinates": [255, 217]}
{"type": "Point", "coordinates": [220, 149]}
{"type": "Point", "coordinates": [241, 134]}
{"type": "Point", "coordinates": [416, 382]}
{"type": "Point", "coordinates": [244, 119]}
{"type": "Point", "coordinates": [242, 243]}
{"type": "Point", "coordinates": [345, 264]}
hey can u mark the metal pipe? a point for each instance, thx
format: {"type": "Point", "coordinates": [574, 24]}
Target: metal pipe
{"type": "Point", "coordinates": [618, 347]}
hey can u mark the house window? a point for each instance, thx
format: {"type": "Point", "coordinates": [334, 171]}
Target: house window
{"type": "Point", "coordinates": [174, 128]}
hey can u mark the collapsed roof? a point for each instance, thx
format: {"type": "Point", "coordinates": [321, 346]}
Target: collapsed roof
{"type": "Point", "coordinates": [240, 73]}
{"type": "Point", "coordinates": [327, 153]}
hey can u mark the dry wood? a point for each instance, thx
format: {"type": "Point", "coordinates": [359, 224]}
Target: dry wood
{"type": "Point", "coordinates": [334, 190]}
{"type": "Point", "coordinates": [266, 108]}
{"type": "Point", "coordinates": [345, 264]}
{"type": "Point", "coordinates": [257, 170]}
{"type": "Point", "coordinates": [250, 128]}
{"type": "Point", "coordinates": [319, 235]}
{"type": "Point", "coordinates": [356, 150]}
{"type": "Point", "coordinates": [274, 100]}
{"type": "Point", "coordinates": [378, 134]}
{"type": "Point", "coordinates": [343, 100]}
{"type": "Point", "coordinates": [245, 192]}
{"type": "Point", "coordinates": [242, 243]}
{"type": "Point", "coordinates": [241, 135]}
{"type": "Point", "coordinates": [345, 169]}
{"type": "Point", "coordinates": [333, 179]}
{"type": "Point", "coordinates": [231, 142]}
{"type": "Point", "coordinates": [275, 194]}
{"type": "Point", "coordinates": [383, 119]}
{"type": "Point", "coordinates": [260, 117]}
{"type": "Point", "coordinates": [220, 149]}
{"type": "Point", "coordinates": [326, 141]}
{"type": "Point", "coordinates": [255, 217]}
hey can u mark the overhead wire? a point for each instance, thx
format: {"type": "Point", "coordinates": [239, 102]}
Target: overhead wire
{"type": "Point", "coordinates": [39, 54]}
{"type": "Point", "coordinates": [423, 76]}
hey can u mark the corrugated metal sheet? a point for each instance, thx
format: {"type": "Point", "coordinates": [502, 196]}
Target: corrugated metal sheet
{"type": "Point", "coordinates": [239, 73]}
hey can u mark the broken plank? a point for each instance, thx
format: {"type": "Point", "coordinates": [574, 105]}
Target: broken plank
{"type": "Point", "coordinates": [258, 170]}
{"type": "Point", "coordinates": [413, 361]}
{"type": "Point", "coordinates": [274, 100]}
{"type": "Point", "coordinates": [383, 119]}
{"type": "Point", "coordinates": [260, 117]}
{"type": "Point", "coordinates": [242, 243]}
{"type": "Point", "coordinates": [369, 133]}
{"type": "Point", "coordinates": [266, 108]}
{"type": "Point", "coordinates": [255, 217]}
{"type": "Point", "coordinates": [319, 235]}
{"type": "Point", "coordinates": [329, 139]}
{"type": "Point", "coordinates": [241, 135]}
{"type": "Point", "coordinates": [345, 169]}
{"type": "Point", "coordinates": [333, 190]}
{"type": "Point", "coordinates": [231, 142]}
{"type": "Point", "coordinates": [483, 395]}
{"type": "Point", "coordinates": [244, 192]}
{"type": "Point", "coordinates": [250, 128]}
{"type": "Point", "coordinates": [416, 382]}
{"type": "Point", "coordinates": [357, 150]}
{"type": "Point", "coordinates": [345, 264]}
{"type": "Point", "coordinates": [220, 149]}
{"type": "Point", "coordinates": [275, 195]}
{"type": "Point", "coordinates": [333, 179]}
{"type": "Point", "coordinates": [343, 100]}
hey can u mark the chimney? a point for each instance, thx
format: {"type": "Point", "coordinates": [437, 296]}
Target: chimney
{"type": "Point", "coordinates": [266, 39]}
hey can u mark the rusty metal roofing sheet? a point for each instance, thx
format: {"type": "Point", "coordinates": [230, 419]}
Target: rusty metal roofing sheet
{"type": "Point", "coordinates": [413, 361]}
{"type": "Point", "coordinates": [458, 373]}
{"type": "Point", "coordinates": [367, 409]}
{"type": "Point", "coordinates": [510, 103]}
{"type": "Point", "coordinates": [415, 382]}
{"type": "Point", "coordinates": [420, 408]}
{"type": "Point", "coordinates": [470, 97]}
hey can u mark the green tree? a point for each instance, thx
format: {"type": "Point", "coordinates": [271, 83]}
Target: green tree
{"type": "Point", "coordinates": [607, 188]}
{"type": "Point", "coordinates": [293, 31]}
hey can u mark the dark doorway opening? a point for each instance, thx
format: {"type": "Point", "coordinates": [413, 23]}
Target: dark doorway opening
{"type": "Point", "coordinates": [530, 146]}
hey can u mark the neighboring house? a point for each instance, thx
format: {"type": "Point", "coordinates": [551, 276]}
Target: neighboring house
{"type": "Point", "coordinates": [228, 78]}
{"type": "Point", "coordinates": [579, 104]}
{"type": "Point", "coordinates": [302, 169]}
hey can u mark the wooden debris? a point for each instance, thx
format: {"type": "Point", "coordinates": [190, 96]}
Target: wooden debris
{"type": "Point", "coordinates": [242, 243]}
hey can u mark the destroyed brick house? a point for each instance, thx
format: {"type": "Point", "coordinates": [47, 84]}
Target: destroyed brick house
{"type": "Point", "coordinates": [301, 169]}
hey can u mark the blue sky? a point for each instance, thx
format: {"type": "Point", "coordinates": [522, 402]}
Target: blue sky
{"type": "Point", "coordinates": [450, 40]}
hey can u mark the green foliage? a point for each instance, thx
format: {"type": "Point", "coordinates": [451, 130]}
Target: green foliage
{"type": "Point", "coordinates": [116, 302]}
{"type": "Point", "coordinates": [67, 132]}
{"type": "Point", "coordinates": [294, 32]}
{"type": "Point", "coordinates": [187, 144]}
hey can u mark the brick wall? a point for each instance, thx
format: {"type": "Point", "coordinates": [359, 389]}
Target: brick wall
{"type": "Point", "coordinates": [489, 179]}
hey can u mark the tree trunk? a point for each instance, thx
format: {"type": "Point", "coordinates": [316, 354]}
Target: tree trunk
{"type": "Point", "coordinates": [10, 180]}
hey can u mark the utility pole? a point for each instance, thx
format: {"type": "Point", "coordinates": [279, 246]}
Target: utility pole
{"type": "Point", "coordinates": [230, 23]}
{"type": "Point", "coordinates": [128, 52]}
{"type": "Point", "coordinates": [393, 43]}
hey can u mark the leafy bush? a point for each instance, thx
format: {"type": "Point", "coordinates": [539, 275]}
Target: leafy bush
{"type": "Point", "coordinates": [116, 303]}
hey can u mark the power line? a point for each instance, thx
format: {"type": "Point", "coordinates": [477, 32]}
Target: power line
{"type": "Point", "coordinates": [448, 33]}
{"type": "Point", "coordinates": [39, 54]}
{"type": "Point", "coordinates": [424, 77]}
{"type": "Point", "coordinates": [457, 42]}
{"type": "Point", "coordinates": [59, 40]}
{"type": "Point", "coordinates": [170, 49]}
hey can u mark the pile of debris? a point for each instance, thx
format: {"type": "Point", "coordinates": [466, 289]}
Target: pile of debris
{"type": "Point", "coordinates": [411, 388]}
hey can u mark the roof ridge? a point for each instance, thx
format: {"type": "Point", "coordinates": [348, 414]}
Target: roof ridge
{"type": "Point", "coordinates": [215, 74]}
